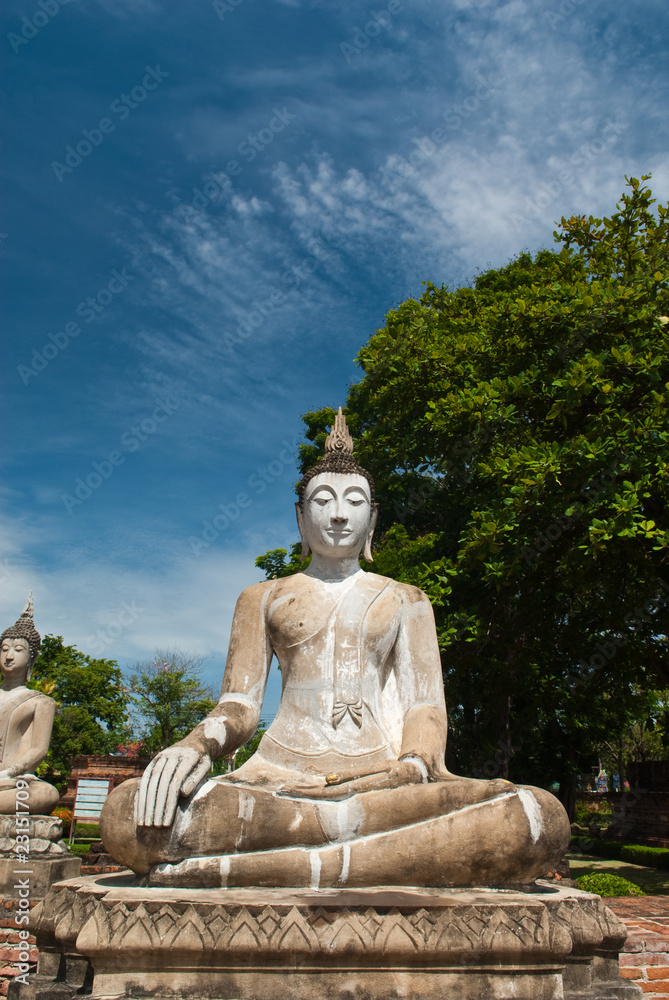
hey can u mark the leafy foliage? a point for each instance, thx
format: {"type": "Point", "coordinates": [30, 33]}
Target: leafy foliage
{"type": "Point", "coordinates": [251, 746]}
{"type": "Point", "coordinates": [603, 884]}
{"type": "Point", "coordinates": [169, 698]}
{"type": "Point", "coordinates": [637, 854]}
{"type": "Point", "coordinates": [92, 714]}
{"type": "Point", "coordinates": [276, 562]}
{"type": "Point", "coordinates": [518, 433]}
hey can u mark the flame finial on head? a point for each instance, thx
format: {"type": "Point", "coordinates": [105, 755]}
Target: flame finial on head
{"type": "Point", "coordinates": [28, 610]}
{"type": "Point", "coordinates": [339, 441]}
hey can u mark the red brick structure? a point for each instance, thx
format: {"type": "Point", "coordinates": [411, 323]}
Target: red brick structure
{"type": "Point", "coordinates": [11, 944]}
{"type": "Point", "coordinates": [115, 767]}
{"type": "Point", "coordinates": [645, 957]}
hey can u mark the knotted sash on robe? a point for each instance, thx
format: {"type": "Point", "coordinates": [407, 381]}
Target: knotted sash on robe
{"type": "Point", "coordinates": [349, 618]}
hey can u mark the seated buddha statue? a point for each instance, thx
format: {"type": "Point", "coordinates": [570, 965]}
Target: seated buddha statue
{"type": "Point", "coordinates": [26, 720]}
{"type": "Point", "coordinates": [348, 786]}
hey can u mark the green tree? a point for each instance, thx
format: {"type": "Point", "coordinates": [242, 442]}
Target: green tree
{"type": "Point", "coordinates": [92, 705]}
{"type": "Point", "coordinates": [644, 734]}
{"type": "Point", "coordinates": [518, 433]}
{"type": "Point", "coordinates": [169, 698]}
{"type": "Point", "coordinates": [276, 562]}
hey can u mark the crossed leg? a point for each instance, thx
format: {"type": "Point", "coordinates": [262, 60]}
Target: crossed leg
{"type": "Point", "coordinates": [461, 831]}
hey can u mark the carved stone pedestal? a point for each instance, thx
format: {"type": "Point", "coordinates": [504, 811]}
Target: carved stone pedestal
{"type": "Point", "coordinates": [47, 859]}
{"type": "Point", "coordinates": [44, 836]}
{"type": "Point", "coordinates": [366, 944]}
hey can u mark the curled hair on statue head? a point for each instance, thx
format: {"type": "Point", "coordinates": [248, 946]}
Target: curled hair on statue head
{"type": "Point", "coordinates": [338, 458]}
{"type": "Point", "coordinates": [25, 629]}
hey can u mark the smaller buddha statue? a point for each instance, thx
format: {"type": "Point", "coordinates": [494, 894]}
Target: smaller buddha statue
{"type": "Point", "coordinates": [26, 720]}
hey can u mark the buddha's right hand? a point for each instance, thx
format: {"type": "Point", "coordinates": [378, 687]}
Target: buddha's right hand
{"type": "Point", "coordinates": [173, 772]}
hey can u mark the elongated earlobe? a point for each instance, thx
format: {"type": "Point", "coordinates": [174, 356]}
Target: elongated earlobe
{"type": "Point", "coordinates": [367, 551]}
{"type": "Point", "coordinates": [306, 551]}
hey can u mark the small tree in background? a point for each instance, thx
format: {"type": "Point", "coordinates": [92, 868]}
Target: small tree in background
{"type": "Point", "coordinates": [169, 698]}
{"type": "Point", "coordinates": [92, 714]}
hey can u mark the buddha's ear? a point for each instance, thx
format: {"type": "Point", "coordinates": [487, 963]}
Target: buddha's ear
{"type": "Point", "coordinates": [306, 551]}
{"type": "Point", "coordinates": [367, 551]}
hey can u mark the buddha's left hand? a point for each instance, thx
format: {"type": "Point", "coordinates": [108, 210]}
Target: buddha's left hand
{"type": "Point", "coordinates": [344, 784]}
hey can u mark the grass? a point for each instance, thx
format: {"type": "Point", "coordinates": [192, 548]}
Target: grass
{"type": "Point", "coordinates": [652, 880]}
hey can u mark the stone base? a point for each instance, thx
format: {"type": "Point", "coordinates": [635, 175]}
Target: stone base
{"type": "Point", "coordinates": [366, 944]}
{"type": "Point", "coordinates": [41, 873]}
{"type": "Point", "coordinates": [44, 833]}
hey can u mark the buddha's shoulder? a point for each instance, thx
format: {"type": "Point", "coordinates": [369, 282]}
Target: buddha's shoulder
{"type": "Point", "coordinates": [404, 592]}
{"type": "Point", "coordinates": [256, 593]}
{"type": "Point", "coordinates": [29, 698]}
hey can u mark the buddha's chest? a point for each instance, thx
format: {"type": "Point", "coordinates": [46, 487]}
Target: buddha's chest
{"type": "Point", "coordinates": [15, 721]}
{"type": "Point", "coordinates": [315, 623]}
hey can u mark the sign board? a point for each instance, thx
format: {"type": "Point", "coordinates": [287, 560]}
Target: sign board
{"type": "Point", "coordinates": [90, 798]}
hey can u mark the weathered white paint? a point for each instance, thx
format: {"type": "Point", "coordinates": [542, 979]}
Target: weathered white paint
{"type": "Point", "coordinates": [532, 811]}
{"type": "Point", "coordinates": [341, 821]}
{"type": "Point", "coordinates": [224, 869]}
{"type": "Point", "coordinates": [246, 804]}
{"type": "Point", "coordinates": [345, 863]}
{"type": "Point", "coordinates": [315, 862]}
{"type": "Point", "coordinates": [214, 729]}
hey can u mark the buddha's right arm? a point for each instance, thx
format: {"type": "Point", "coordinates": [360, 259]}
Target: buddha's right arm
{"type": "Point", "coordinates": [179, 769]}
{"type": "Point", "coordinates": [235, 719]}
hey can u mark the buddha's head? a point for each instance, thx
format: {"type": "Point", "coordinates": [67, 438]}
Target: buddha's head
{"type": "Point", "coordinates": [336, 512]}
{"type": "Point", "coordinates": [19, 646]}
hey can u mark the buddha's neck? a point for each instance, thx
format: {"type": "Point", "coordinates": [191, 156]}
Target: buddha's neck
{"type": "Point", "coordinates": [11, 684]}
{"type": "Point", "coordinates": [332, 570]}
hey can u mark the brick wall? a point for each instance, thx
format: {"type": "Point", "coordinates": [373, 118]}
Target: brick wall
{"type": "Point", "coordinates": [116, 768]}
{"type": "Point", "coordinates": [9, 943]}
{"type": "Point", "coordinates": [645, 956]}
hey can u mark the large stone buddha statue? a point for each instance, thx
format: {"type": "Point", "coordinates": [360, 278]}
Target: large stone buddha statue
{"type": "Point", "coordinates": [348, 786]}
{"type": "Point", "coordinates": [26, 720]}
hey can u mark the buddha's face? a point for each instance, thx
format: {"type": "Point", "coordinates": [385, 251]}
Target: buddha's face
{"type": "Point", "coordinates": [15, 659]}
{"type": "Point", "coordinates": [337, 517]}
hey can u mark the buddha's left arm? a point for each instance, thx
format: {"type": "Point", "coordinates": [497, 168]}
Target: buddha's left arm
{"type": "Point", "coordinates": [34, 744]}
{"type": "Point", "coordinates": [417, 665]}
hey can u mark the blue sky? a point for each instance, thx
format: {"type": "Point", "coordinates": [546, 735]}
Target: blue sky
{"type": "Point", "coordinates": [208, 209]}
